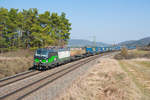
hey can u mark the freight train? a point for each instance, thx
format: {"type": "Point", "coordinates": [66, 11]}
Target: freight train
{"type": "Point", "coordinates": [47, 58]}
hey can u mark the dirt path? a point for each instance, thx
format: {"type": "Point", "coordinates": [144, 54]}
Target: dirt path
{"type": "Point", "coordinates": [104, 81]}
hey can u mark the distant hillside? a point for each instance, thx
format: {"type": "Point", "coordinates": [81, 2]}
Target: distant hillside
{"type": "Point", "coordinates": [82, 43]}
{"type": "Point", "coordinates": [141, 42]}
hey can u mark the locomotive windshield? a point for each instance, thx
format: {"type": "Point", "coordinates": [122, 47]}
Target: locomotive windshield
{"type": "Point", "coordinates": [41, 53]}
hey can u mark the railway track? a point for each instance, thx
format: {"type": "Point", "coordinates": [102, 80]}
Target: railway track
{"type": "Point", "coordinates": [17, 77]}
{"type": "Point", "coordinates": [18, 91]}
{"type": "Point", "coordinates": [11, 77]}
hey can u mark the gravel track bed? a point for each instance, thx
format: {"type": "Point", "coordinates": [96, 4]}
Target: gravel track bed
{"type": "Point", "coordinates": [22, 83]}
{"type": "Point", "coordinates": [41, 83]}
{"type": "Point", "coordinates": [14, 76]}
{"type": "Point", "coordinates": [17, 78]}
{"type": "Point", "coordinates": [52, 90]}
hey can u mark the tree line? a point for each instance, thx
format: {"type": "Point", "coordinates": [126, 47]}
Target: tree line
{"type": "Point", "coordinates": [29, 29]}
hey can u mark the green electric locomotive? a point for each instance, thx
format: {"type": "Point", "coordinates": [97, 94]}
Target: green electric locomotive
{"type": "Point", "coordinates": [46, 58]}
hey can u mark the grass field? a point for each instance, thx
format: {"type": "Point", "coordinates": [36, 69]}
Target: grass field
{"type": "Point", "coordinates": [138, 52]}
{"type": "Point", "coordinates": [103, 81]}
{"type": "Point", "coordinates": [132, 54]}
{"type": "Point", "coordinates": [139, 71]}
{"type": "Point", "coordinates": [15, 62]}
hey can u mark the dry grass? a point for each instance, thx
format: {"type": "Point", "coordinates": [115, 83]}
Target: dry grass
{"type": "Point", "coordinates": [132, 54]}
{"type": "Point", "coordinates": [139, 52]}
{"type": "Point", "coordinates": [15, 62]}
{"type": "Point", "coordinates": [18, 53]}
{"type": "Point", "coordinates": [139, 71]}
{"type": "Point", "coordinates": [104, 81]}
{"type": "Point", "coordinates": [143, 63]}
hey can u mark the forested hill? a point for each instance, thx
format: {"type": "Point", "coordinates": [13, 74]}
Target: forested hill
{"type": "Point", "coordinates": [29, 29]}
{"type": "Point", "coordinates": [141, 42]}
{"type": "Point", "coordinates": [82, 43]}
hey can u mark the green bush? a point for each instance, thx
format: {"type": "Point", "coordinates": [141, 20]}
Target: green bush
{"type": "Point", "coordinates": [33, 48]}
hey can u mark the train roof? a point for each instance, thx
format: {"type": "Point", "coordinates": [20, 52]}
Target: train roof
{"type": "Point", "coordinates": [53, 49]}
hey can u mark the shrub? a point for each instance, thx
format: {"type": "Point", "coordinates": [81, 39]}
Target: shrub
{"type": "Point", "coordinates": [122, 55]}
{"type": "Point", "coordinates": [124, 52]}
{"type": "Point", "coordinates": [33, 48]}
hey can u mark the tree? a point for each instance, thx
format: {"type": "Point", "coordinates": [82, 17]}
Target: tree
{"type": "Point", "coordinates": [29, 29]}
{"type": "Point", "coordinates": [3, 19]}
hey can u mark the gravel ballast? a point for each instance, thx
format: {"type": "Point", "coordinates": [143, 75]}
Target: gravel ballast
{"type": "Point", "coordinates": [52, 90]}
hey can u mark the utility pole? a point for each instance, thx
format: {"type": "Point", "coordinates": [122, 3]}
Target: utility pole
{"type": "Point", "coordinates": [94, 41]}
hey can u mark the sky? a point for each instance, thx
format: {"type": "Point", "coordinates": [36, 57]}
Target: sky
{"type": "Point", "coordinates": [109, 21]}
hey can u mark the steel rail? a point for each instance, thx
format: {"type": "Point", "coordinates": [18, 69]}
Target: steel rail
{"type": "Point", "coordinates": [17, 78]}
{"type": "Point", "coordinates": [72, 67]}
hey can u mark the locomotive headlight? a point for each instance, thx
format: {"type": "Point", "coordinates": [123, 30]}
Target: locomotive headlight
{"type": "Point", "coordinates": [36, 60]}
{"type": "Point", "coordinates": [44, 60]}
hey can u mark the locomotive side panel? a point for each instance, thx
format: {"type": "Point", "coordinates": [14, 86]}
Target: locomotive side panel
{"type": "Point", "coordinates": [63, 54]}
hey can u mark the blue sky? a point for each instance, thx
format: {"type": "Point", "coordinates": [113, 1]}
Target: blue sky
{"type": "Point", "coordinates": [110, 21]}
